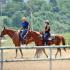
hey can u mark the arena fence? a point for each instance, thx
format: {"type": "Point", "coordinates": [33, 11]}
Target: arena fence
{"type": "Point", "coordinates": [50, 59]}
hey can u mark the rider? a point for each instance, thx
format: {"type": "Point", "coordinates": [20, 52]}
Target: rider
{"type": "Point", "coordinates": [46, 34]}
{"type": "Point", "coordinates": [24, 28]}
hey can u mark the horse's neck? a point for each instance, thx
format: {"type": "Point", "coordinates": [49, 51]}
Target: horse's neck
{"type": "Point", "coordinates": [10, 33]}
{"type": "Point", "coordinates": [35, 35]}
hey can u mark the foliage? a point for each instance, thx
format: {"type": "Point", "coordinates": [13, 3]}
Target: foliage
{"type": "Point", "coordinates": [56, 11]}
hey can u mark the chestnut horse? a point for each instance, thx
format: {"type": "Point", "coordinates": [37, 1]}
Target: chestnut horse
{"type": "Point", "coordinates": [56, 40]}
{"type": "Point", "coordinates": [30, 37]}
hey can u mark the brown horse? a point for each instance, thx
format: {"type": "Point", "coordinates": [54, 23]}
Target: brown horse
{"type": "Point", "coordinates": [30, 37]}
{"type": "Point", "coordinates": [56, 40]}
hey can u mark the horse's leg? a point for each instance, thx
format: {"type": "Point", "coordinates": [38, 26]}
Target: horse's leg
{"type": "Point", "coordinates": [64, 49]}
{"type": "Point", "coordinates": [21, 53]}
{"type": "Point", "coordinates": [56, 53]}
{"type": "Point", "coordinates": [37, 53]}
{"type": "Point", "coordinates": [19, 50]}
{"type": "Point", "coordinates": [58, 50]}
{"type": "Point", "coordinates": [16, 53]}
{"type": "Point", "coordinates": [44, 52]}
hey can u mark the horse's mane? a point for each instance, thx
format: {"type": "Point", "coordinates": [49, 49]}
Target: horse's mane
{"type": "Point", "coordinates": [36, 33]}
{"type": "Point", "coordinates": [12, 30]}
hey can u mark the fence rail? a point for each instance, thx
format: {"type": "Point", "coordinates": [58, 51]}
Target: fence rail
{"type": "Point", "coordinates": [50, 59]}
{"type": "Point", "coordinates": [34, 47]}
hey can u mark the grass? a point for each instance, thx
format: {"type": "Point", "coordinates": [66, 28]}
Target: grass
{"type": "Point", "coordinates": [7, 41]}
{"type": "Point", "coordinates": [67, 38]}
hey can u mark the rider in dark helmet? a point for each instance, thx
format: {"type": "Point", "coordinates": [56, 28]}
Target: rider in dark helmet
{"type": "Point", "coordinates": [46, 34]}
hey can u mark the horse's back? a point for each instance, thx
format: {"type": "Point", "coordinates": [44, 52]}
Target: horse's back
{"type": "Point", "coordinates": [56, 35]}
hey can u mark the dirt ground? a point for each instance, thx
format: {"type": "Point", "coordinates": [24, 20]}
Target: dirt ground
{"type": "Point", "coordinates": [39, 65]}
{"type": "Point", "coordinates": [36, 65]}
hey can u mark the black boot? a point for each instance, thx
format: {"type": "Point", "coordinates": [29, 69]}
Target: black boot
{"type": "Point", "coordinates": [46, 42]}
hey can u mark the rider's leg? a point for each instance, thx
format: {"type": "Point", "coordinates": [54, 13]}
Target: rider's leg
{"type": "Point", "coordinates": [23, 33]}
{"type": "Point", "coordinates": [46, 37]}
{"type": "Point", "coordinates": [46, 40]}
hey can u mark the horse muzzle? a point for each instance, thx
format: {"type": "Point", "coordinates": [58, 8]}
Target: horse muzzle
{"type": "Point", "coordinates": [1, 37]}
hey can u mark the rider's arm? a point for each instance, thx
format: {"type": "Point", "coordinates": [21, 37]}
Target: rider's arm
{"type": "Point", "coordinates": [29, 26]}
{"type": "Point", "coordinates": [20, 29]}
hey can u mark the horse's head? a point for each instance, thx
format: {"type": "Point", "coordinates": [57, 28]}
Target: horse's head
{"type": "Point", "coordinates": [3, 32]}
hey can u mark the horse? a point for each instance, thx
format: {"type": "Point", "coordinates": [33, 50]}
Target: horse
{"type": "Point", "coordinates": [56, 40]}
{"type": "Point", "coordinates": [30, 37]}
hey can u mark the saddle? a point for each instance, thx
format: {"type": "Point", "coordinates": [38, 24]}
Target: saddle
{"type": "Point", "coordinates": [52, 37]}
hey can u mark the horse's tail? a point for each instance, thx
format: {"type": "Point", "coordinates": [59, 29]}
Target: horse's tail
{"type": "Point", "coordinates": [63, 43]}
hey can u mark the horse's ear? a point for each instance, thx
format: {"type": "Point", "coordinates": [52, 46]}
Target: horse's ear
{"type": "Point", "coordinates": [4, 27]}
